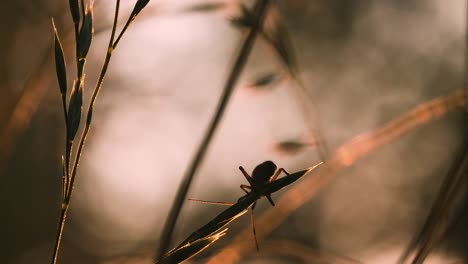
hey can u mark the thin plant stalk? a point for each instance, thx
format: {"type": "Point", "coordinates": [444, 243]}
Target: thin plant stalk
{"type": "Point", "coordinates": [436, 223]}
{"type": "Point", "coordinates": [311, 116]}
{"type": "Point", "coordinates": [260, 11]}
{"type": "Point", "coordinates": [97, 88]}
{"type": "Point", "coordinates": [58, 236]}
{"type": "Point", "coordinates": [71, 182]}
{"type": "Point", "coordinates": [110, 49]}
{"type": "Point", "coordinates": [280, 42]}
{"type": "Point", "coordinates": [70, 176]}
{"type": "Point", "coordinates": [277, 37]}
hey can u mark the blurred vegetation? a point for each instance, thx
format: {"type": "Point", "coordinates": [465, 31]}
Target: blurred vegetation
{"type": "Point", "coordinates": [361, 63]}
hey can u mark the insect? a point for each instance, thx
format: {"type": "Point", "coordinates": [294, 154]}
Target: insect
{"type": "Point", "coordinates": [263, 174]}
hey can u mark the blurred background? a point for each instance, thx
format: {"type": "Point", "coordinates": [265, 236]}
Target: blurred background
{"type": "Point", "coordinates": [362, 63]}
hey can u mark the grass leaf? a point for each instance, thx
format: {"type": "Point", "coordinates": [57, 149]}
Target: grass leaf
{"type": "Point", "coordinates": [282, 182]}
{"type": "Point", "coordinates": [266, 80]}
{"type": "Point", "coordinates": [86, 34]}
{"type": "Point", "coordinates": [75, 11]}
{"type": "Point", "coordinates": [139, 5]}
{"type": "Point", "coordinates": [290, 146]}
{"type": "Point", "coordinates": [220, 221]}
{"type": "Point", "coordinates": [60, 66]}
{"type": "Point", "coordinates": [207, 7]}
{"type": "Point", "coordinates": [75, 109]}
{"type": "Point", "coordinates": [189, 250]}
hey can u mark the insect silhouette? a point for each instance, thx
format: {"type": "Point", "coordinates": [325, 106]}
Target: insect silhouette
{"type": "Point", "coordinates": [263, 174]}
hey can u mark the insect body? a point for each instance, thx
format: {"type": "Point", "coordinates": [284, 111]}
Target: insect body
{"type": "Point", "coordinates": [263, 182]}
{"type": "Point", "coordinates": [262, 175]}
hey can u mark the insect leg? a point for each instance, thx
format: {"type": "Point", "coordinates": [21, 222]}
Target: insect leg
{"type": "Point", "coordinates": [268, 196]}
{"type": "Point", "coordinates": [274, 177]}
{"type": "Point", "coordinates": [245, 188]}
{"type": "Point", "coordinates": [253, 225]}
{"type": "Point", "coordinates": [277, 173]}
{"type": "Point", "coordinates": [246, 175]}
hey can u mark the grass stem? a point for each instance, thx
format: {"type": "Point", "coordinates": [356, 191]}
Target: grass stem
{"type": "Point", "coordinates": [58, 237]}
{"type": "Point", "coordinates": [260, 11]}
{"type": "Point", "coordinates": [437, 223]}
{"type": "Point", "coordinates": [71, 181]}
{"type": "Point", "coordinates": [96, 90]}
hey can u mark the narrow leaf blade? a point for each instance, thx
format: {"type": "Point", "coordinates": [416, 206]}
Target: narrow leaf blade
{"type": "Point", "coordinates": [75, 109]}
{"type": "Point", "coordinates": [60, 66]}
{"type": "Point", "coordinates": [207, 7]}
{"type": "Point", "coordinates": [139, 5]}
{"type": "Point", "coordinates": [75, 11]}
{"type": "Point", "coordinates": [86, 34]}
{"type": "Point", "coordinates": [289, 147]}
{"type": "Point", "coordinates": [264, 80]}
{"type": "Point", "coordinates": [180, 254]}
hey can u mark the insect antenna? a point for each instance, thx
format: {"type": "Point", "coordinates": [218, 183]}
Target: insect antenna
{"type": "Point", "coordinates": [211, 202]}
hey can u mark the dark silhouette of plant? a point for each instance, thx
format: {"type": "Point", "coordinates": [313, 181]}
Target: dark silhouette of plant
{"type": "Point", "coordinates": [83, 23]}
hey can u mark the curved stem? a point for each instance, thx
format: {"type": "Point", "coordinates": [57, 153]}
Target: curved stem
{"type": "Point", "coordinates": [259, 13]}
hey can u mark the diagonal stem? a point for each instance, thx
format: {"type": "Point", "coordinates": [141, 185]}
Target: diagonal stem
{"type": "Point", "coordinates": [260, 11]}
{"type": "Point", "coordinates": [58, 238]}
{"type": "Point", "coordinates": [343, 157]}
{"type": "Point", "coordinates": [96, 90]}
{"type": "Point", "coordinates": [436, 223]}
